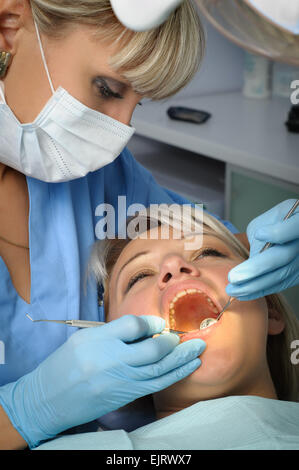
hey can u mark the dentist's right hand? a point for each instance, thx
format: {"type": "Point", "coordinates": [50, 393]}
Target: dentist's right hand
{"type": "Point", "coordinates": [96, 371]}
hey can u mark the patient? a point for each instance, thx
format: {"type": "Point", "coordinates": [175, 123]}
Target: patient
{"type": "Point", "coordinates": [246, 371]}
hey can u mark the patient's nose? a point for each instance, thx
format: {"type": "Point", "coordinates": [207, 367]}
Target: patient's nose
{"type": "Point", "coordinates": [175, 268]}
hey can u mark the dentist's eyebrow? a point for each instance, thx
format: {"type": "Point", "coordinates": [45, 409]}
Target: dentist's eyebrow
{"type": "Point", "coordinates": [137, 255]}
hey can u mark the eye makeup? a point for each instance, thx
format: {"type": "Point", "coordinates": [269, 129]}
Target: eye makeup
{"type": "Point", "coordinates": [137, 277]}
{"type": "Point", "coordinates": [106, 88]}
{"type": "Point", "coordinates": [208, 252]}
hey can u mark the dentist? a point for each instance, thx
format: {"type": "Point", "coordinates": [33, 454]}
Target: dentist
{"type": "Point", "coordinates": [70, 78]}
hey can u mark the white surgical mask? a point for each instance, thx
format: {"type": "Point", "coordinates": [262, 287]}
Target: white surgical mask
{"type": "Point", "coordinates": [66, 141]}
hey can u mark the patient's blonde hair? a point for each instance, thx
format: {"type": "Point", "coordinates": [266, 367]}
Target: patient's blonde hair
{"type": "Point", "coordinates": [285, 375]}
{"type": "Point", "coordinates": [157, 63]}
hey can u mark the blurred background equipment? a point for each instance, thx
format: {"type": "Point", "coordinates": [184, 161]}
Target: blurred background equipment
{"type": "Point", "coordinates": [268, 30]}
{"type": "Point", "coordinates": [266, 27]}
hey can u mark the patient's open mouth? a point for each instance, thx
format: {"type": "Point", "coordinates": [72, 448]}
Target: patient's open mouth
{"type": "Point", "coordinates": [188, 308]}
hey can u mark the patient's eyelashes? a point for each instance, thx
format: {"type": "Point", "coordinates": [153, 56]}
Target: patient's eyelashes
{"type": "Point", "coordinates": [199, 255]}
{"type": "Point", "coordinates": [208, 252]}
{"type": "Point", "coordinates": [137, 278]}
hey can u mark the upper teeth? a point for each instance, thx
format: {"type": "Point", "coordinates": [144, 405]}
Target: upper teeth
{"type": "Point", "coordinates": [182, 294]}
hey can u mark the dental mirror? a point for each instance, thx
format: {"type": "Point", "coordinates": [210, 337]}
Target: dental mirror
{"type": "Point", "coordinates": [207, 322]}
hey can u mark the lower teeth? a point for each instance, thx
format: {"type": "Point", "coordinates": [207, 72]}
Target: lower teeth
{"type": "Point", "coordinates": [207, 322]}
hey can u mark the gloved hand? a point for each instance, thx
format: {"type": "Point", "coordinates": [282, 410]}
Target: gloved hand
{"type": "Point", "coordinates": [97, 371]}
{"type": "Point", "coordinates": [277, 268]}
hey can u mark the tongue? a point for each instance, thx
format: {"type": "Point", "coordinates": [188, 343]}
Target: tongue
{"type": "Point", "coordinates": [190, 311]}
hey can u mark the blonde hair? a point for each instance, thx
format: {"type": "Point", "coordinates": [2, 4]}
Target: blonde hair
{"type": "Point", "coordinates": [285, 375]}
{"type": "Point", "coordinates": [157, 63]}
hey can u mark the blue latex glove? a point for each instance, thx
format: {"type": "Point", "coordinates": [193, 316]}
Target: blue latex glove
{"type": "Point", "coordinates": [97, 371]}
{"type": "Point", "coordinates": [277, 268]}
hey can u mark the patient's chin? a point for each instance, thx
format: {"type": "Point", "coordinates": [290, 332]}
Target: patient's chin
{"type": "Point", "coordinates": [216, 377]}
{"type": "Point", "coordinates": [222, 370]}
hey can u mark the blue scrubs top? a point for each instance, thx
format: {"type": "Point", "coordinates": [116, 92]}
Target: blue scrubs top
{"type": "Point", "coordinates": [62, 224]}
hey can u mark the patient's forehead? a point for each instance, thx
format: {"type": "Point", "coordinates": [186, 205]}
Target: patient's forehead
{"type": "Point", "coordinates": [148, 246]}
{"type": "Point", "coordinates": [156, 240]}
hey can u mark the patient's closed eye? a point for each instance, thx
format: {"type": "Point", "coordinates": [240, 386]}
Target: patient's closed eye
{"type": "Point", "coordinates": [136, 278]}
{"type": "Point", "coordinates": [201, 254]}
{"type": "Point", "coordinates": [209, 252]}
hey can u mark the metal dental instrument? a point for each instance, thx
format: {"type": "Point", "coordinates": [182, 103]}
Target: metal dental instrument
{"type": "Point", "coordinates": [291, 212]}
{"type": "Point", "coordinates": [265, 247]}
{"type": "Point", "coordinates": [89, 324]}
{"type": "Point", "coordinates": [170, 330]}
{"type": "Point", "coordinates": [75, 323]}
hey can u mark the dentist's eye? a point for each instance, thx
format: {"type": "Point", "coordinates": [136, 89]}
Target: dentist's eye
{"type": "Point", "coordinates": [137, 278]}
{"type": "Point", "coordinates": [209, 252]}
{"type": "Point", "coordinates": [105, 91]}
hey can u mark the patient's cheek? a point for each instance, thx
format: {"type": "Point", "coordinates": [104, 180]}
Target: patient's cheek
{"type": "Point", "coordinates": [217, 367]}
{"type": "Point", "coordinates": [234, 346]}
{"type": "Point", "coordinates": [138, 304]}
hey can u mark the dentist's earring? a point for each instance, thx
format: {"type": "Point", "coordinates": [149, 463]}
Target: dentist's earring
{"type": "Point", "coordinates": [5, 59]}
{"type": "Point", "coordinates": [100, 295]}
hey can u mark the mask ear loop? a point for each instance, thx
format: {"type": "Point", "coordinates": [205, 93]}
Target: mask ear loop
{"type": "Point", "coordinates": [2, 94]}
{"type": "Point", "coordinates": [43, 57]}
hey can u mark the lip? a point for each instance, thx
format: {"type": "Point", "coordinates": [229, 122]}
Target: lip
{"type": "Point", "coordinates": [179, 286]}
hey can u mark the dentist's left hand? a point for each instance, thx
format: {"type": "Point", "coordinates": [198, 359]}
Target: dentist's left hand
{"type": "Point", "coordinates": [277, 268]}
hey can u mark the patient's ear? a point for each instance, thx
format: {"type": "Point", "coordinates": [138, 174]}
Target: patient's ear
{"type": "Point", "coordinates": [276, 323]}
